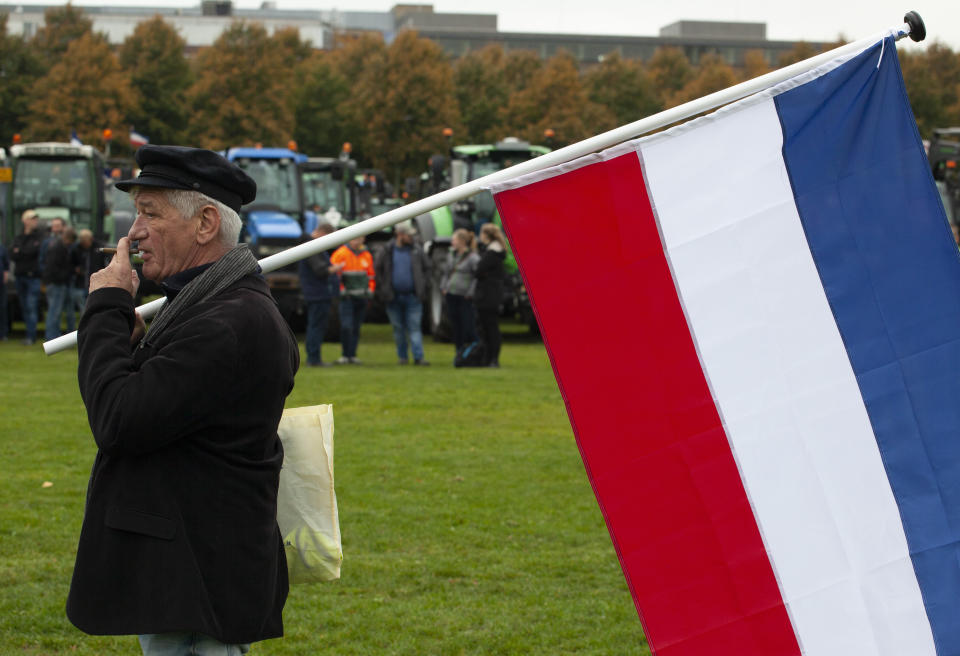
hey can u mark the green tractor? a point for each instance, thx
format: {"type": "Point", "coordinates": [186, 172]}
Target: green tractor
{"type": "Point", "coordinates": [466, 163]}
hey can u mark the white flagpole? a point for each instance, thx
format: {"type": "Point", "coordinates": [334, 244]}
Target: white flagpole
{"type": "Point", "coordinates": [566, 154]}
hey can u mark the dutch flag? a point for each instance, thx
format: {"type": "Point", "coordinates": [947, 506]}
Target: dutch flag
{"type": "Point", "coordinates": [754, 321]}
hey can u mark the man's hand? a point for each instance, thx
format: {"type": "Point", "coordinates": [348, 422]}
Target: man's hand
{"type": "Point", "coordinates": [118, 273]}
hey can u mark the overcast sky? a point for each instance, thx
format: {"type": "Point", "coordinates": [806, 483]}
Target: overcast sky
{"type": "Point", "coordinates": [813, 20]}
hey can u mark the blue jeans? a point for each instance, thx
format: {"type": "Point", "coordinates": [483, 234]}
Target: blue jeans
{"type": "Point", "coordinates": [56, 298]}
{"type": "Point", "coordinates": [78, 298]}
{"type": "Point", "coordinates": [28, 295]}
{"type": "Point", "coordinates": [352, 310]}
{"type": "Point", "coordinates": [406, 312]}
{"type": "Point", "coordinates": [187, 644]}
{"type": "Point", "coordinates": [463, 320]}
{"type": "Point", "coordinates": [317, 314]}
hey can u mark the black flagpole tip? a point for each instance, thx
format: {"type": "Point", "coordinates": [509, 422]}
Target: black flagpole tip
{"type": "Point", "coordinates": [918, 31]}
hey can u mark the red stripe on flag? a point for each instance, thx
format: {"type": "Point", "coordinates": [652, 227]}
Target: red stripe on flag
{"type": "Point", "coordinates": [648, 431]}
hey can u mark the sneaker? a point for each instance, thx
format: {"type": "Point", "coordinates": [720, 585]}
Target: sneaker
{"type": "Point", "coordinates": [27, 342]}
{"type": "Point", "coordinates": [354, 360]}
{"type": "Point", "coordinates": [421, 363]}
{"type": "Point", "coordinates": [494, 365]}
{"type": "Point", "coordinates": [403, 361]}
{"type": "Point", "coordinates": [342, 360]}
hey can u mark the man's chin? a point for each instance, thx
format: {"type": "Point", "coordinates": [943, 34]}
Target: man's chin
{"type": "Point", "coordinates": [150, 273]}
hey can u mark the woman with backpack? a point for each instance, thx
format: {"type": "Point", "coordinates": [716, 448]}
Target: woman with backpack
{"type": "Point", "coordinates": [459, 284]}
{"type": "Point", "coordinates": [489, 292]}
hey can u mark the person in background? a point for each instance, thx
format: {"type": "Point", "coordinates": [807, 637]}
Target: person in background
{"type": "Point", "coordinates": [25, 254]}
{"type": "Point", "coordinates": [317, 277]}
{"type": "Point", "coordinates": [86, 259]}
{"type": "Point", "coordinates": [489, 292]}
{"type": "Point", "coordinates": [57, 274]}
{"type": "Point", "coordinates": [402, 271]}
{"type": "Point", "coordinates": [57, 225]}
{"type": "Point", "coordinates": [357, 284]}
{"type": "Point", "coordinates": [5, 268]}
{"type": "Point", "coordinates": [458, 286]}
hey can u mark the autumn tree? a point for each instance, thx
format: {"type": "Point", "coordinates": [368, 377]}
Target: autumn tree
{"type": "Point", "coordinates": [482, 93]}
{"type": "Point", "coordinates": [319, 93]}
{"type": "Point", "coordinates": [19, 70]}
{"type": "Point", "coordinates": [713, 74]}
{"type": "Point", "coordinates": [519, 69]}
{"type": "Point", "coordinates": [153, 57]}
{"type": "Point", "coordinates": [800, 51]}
{"type": "Point", "coordinates": [61, 27]}
{"type": "Point", "coordinates": [669, 70]}
{"type": "Point", "coordinates": [406, 103]}
{"type": "Point", "coordinates": [932, 78]}
{"type": "Point", "coordinates": [242, 90]}
{"type": "Point", "coordinates": [754, 65]}
{"type": "Point", "coordinates": [361, 62]}
{"type": "Point", "coordinates": [85, 91]}
{"type": "Point", "coordinates": [555, 99]}
{"type": "Point", "coordinates": [622, 87]}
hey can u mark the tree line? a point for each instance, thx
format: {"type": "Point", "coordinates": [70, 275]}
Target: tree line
{"type": "Point", "coordinates": [390, 101]}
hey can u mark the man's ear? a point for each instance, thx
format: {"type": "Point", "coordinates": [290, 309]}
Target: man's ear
{"type": "Point", "coordinates": [209, 226]}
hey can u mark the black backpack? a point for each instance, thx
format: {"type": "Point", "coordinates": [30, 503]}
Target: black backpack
{"type": "Point", "coordinates": [472, 355]}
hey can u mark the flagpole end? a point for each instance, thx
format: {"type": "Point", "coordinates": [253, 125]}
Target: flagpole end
{"type": "Point", "coordinates": [918, 31]}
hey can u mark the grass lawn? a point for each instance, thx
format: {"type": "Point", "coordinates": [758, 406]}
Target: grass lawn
{"type": "Point", "coordinates": [468, 523]}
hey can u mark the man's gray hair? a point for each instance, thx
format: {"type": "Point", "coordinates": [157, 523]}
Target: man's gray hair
{"type": "Point", "coordinates": [189, 203]}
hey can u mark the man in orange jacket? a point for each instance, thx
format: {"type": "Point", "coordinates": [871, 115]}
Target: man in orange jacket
{"type": "Point", "coordinates": [356, 289]}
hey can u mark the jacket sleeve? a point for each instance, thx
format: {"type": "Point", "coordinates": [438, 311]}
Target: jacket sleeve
{"type": "Point", "coordinates": [371, 273]}
{"type": "Point", "coordinates": [138, 410]}
{"type": "Point", "coordinates": [320, 265]}
{"type": "Point", "coordinates": [471, 263]}
{"type": "Point", "coordinates": [447, 271]}
{"type": "Point", "coordinates": [26, 249]}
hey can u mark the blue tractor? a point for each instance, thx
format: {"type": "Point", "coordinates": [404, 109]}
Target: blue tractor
{"type": "Point", "coordinates": [274, 221]}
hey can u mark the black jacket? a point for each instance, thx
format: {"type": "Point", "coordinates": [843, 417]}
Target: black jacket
{"type": "Point", "coordinates": [180, 529]}
{"type": "Point", "coordinates": [490, 276]}
{"type": "Point", "coordinates": [86, 261]}
{"type": "Point", "coordinates": [25, 254]}
{"type": "Point", "coordinates": [57, 269]}
{"type": "Point", "coordinates": [383, 268]}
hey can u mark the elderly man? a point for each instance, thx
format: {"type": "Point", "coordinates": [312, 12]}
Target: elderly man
{"type": "Point", "coordinates": [25, 253]}
{"type": "Point", "coordinates": [180, 542]}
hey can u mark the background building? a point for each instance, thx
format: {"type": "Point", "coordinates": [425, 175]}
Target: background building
{"type": "Point", "coordinates": [457, 33]}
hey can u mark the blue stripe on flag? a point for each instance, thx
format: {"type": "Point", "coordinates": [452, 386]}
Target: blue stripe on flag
{"type": "Point", "coordinates": [891, 272]}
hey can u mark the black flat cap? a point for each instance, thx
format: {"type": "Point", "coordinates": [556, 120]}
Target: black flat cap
{"type": "Point", "coordinates": [192, 169]}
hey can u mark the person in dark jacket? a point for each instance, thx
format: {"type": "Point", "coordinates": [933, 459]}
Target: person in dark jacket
{"type": "Point", "coordinates": [180, 542]}
{"type": "Point", "coordinates": [86, 258]}
{"type": "Point", "coordinates": [57, 274]}
{"type": "Point", "coordinates": [402, 271]}
{"type": "Point", "coordinates": [489, 292]}
{"type": "Point", "coordinates": [25, 254]}
{"type": "Point", "coordinates": [319, 283]}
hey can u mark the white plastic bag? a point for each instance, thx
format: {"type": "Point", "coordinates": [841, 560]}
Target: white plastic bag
{"type": "Point", "coordinates": [307, 503]}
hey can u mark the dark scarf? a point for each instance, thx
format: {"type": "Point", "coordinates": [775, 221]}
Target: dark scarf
{"type": "Point", "coordinates": [234, 265]}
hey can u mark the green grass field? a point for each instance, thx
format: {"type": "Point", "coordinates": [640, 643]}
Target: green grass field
{"type": "Point", "coordinates": [468, 523]}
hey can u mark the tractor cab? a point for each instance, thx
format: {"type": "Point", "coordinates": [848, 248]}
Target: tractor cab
{"type": "Point", "coordinates": [467, 163]}
{"type": "Point", "coordinates": [329, 191]}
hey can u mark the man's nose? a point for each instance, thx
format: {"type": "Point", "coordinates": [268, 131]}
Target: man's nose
{"type": "Point", "coordinates": [136, 231]}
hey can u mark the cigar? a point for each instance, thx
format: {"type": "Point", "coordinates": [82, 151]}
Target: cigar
{"type": "Point", "coordinates": [112, 250]}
